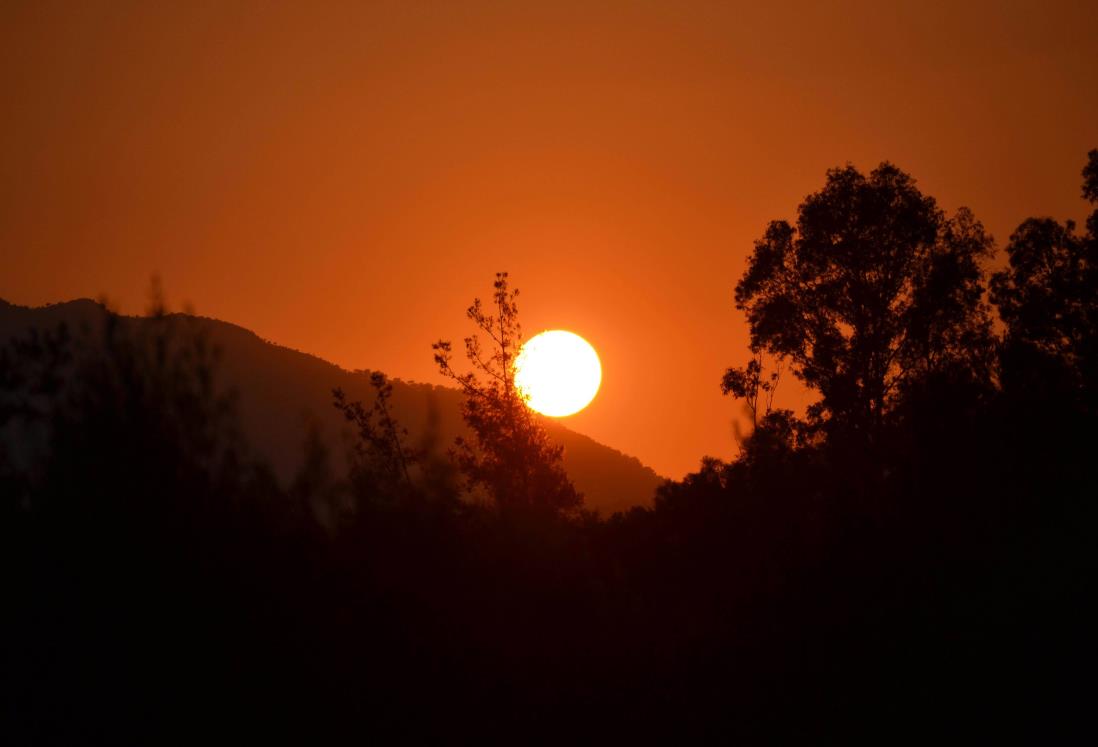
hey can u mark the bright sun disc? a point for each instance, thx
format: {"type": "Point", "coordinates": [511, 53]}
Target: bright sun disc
{"type": "Point", "coordinates": [558, 373]}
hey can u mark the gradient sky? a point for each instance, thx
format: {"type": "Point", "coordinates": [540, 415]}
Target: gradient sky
{"type": "Point", "coordinates": [343, 178]}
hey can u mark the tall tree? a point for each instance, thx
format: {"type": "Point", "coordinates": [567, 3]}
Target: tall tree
{"type": "Point", "coordinates": [511, 456]}
{"type": "Point", "coordinates": [873, 288]}
{"type": "Point", "coordinates": [1048, 297]}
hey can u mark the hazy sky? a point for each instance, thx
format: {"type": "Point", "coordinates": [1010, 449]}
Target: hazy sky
{"type": "Point", "coordinates": [343, 178]}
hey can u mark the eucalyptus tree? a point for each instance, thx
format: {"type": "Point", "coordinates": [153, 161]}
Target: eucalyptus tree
{"type": "Point", "coordinates": [871, 290]}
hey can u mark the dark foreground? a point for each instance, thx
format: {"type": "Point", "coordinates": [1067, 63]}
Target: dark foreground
{"type": "Point", "coordinates": [915, 559]}
{"type": "Point", "coordinates": [162, 587]}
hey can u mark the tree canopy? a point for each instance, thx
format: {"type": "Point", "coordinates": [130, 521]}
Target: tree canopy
{"type": "Point", "coordinates": [1048, 299]}
{"type": "Point", "coordinates": [871, 287]}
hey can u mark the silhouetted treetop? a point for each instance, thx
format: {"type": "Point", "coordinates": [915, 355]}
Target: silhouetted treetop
{"type": "Point", "coordinates": [1090, 177]}
{"type": "Point", "coordinates": [1048, 296]}
{"type": "Point", "coordinates": [380, 453]}
{"type": "Point", "coordinates": [874, 286]}
{"type": "Point", "coordinates": [512, 457]}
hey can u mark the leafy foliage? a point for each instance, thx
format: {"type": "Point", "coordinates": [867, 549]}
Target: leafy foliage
{"type": "Point", "coordinates": [1047, 300]}
{"type": "Point", "coordinates": [511, 457]}
{"type": "Point", "coordinates": [873, 286]}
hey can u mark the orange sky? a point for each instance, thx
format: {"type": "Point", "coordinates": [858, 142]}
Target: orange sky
{"type": "Point", "coordinates": [344, 179]}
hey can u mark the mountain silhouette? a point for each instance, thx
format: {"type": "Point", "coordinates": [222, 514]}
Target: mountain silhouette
{"type": "Point", "coordinates": [282, 392]}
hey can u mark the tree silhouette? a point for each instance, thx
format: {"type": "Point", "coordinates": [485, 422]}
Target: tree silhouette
{"type": "Point", "coordinates": [749, 384]}
{"type": "Point", "coordinates": [873, 288]}
{"type": "Point", "coordinates": [1048, 299]}
{"type": "Point", "coordinates": [1090, 188]}
{"type": "Point", "coordinates": [380, 455]}
{"type": "Point", "coordinates": [511, 455]}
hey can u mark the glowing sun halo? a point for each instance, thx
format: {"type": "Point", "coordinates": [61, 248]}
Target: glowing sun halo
{"type": "Point", "coordinates": [558, 372]}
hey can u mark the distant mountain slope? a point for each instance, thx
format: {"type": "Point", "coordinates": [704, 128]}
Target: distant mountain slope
{"type": "Point", "coordinates": [282, 390]}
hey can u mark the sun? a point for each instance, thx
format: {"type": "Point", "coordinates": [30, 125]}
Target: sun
{"type": "Point", "coordinates": [558, 373]}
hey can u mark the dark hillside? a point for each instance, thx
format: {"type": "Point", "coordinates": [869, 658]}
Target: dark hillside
{"type": "Point", "coordinates": [282, 391]}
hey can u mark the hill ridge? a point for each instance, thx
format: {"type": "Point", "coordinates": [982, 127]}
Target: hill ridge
{"type": "Point", "coordinates": [282, 390]}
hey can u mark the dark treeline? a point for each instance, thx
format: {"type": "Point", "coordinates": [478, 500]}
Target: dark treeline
{"type": "Point", "coordinates": [914, 556]}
